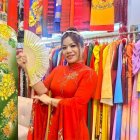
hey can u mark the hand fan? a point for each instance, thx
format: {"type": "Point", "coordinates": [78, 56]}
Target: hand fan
{"type": "Point", "coordinates": [37, 57]}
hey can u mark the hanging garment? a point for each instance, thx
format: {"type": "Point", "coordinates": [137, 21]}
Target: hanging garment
{"type": "Point", "coordinates": [102, 15]}
{"type": "Point", "coordinates": [35, 16]}
{"type": "Point", "coordinates": [65, 15]}
{"type": "Point", "coordinates": [12, 14]}
{"type": "Point", "coordinates": [26, 14]}
{"type": "Point", "coordinates": [118, 98]}
{"type": "Point", "coordinates": [134, 112]}
{"type": "Point", "coordinates": [125, 128]}
{"type": "Point", "coordinates": [82, 20]}
{"type": "Point", "coordinates": [44, 14]}
{"type": "Point", "coordinates": [97, 94]}
{"type": "Point", "coordinates": [72, 14]}
{"type": "Point", "coordinates": [57, 15]}
{"type": "Point", "coordinates": [50, 17]}
{"type": "Point", "coordinates": [120, 9]}
{"type": "Point", "coordinates": [106, 91]}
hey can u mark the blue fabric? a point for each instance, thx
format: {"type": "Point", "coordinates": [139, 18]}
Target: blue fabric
{"type": "Point", "coordinates": [57, 11]}
{"type": "Point", "coordinates": [118, 121]}
{"type": "Point", "coordinates": [118, 96]}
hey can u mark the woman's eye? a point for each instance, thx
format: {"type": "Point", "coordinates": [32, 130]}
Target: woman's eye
{"type": "Point", "coordinates": [73, 46]}
{"type": "Point", "coordinates": [64, 48]}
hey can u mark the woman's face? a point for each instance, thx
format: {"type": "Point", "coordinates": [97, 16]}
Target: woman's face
{"type": "Point", "coordinates": [71, 50]}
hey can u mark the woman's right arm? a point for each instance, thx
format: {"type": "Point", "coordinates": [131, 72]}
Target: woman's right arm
{"type": "Point", "coordinates": [38, 87]}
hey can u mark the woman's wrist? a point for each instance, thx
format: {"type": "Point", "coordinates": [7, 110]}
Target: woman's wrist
{"type": "Point", "coordinates": [54, 101]}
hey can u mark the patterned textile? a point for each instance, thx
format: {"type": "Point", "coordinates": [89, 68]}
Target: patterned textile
{"type": "Point", "coordinates": [134, 116]}
{"type": "Point", "coordinates": [44, 22]}
{"type": "Point", "coordinates": [136, 57]}
{"type": "Point", "coordinates": [50, 17]}
{"type": "Point", "coordinates": [72, 14]}
{"type": "Point", "coordinates": [58, 6]}
{"type": "Point", "coordinates": [65, 15]}
{"type": "Point", "coordinates": [8, 84]}
{"type": "Point", "coordinates": [120, 9]}
{"type": "Point", "coordinates": [81, 14]}
{"type": "Point", "coordinates": [97, 20]}
{"type": "Point", "coordinates": [35, 16]}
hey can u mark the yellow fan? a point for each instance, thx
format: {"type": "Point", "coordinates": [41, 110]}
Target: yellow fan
{"type": "Point", "coordinates": [37, 57]}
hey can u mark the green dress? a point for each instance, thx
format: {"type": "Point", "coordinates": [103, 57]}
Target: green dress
{"type": "Point", "coordinates": [8, 84]}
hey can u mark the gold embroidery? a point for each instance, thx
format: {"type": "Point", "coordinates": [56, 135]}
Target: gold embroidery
{"type": "Point", "coordinates": [72, 76]}
{"type": "Point", "coordinates": [102, 4]}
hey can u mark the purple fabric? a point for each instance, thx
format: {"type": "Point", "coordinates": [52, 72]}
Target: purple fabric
{"type": "Point", "coordinates": [136, 57]}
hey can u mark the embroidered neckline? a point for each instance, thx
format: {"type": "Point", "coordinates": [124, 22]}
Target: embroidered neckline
{"type": "Point", "coordinates": [76, 66]}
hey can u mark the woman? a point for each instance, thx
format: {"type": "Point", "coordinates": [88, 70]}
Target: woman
{"type": "Point", "coordinates": [72, 86]}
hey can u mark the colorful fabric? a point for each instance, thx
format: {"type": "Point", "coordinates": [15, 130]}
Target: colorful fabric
{"type": "Point", "coordinates": [120, 9]}
{"type": "Point", "coordinates": [65, 15]}
{"type": "Point", "coordinates": [106, 122]}
{"type": "Point", "coordinates": [138, 83]}
{"type": "Point", "coordinates": [97, 20]}
{"type": "Point", "coordinates": [97, 94]}
{"type": "Point", "coordinates": [136, 57]}
{"type": "Point", "coordinates": [96, 52]}
{"type": "Point", "coordinates": [106, 91]}
{"type": "Point", "coordinates": [118, 121]}
{"type": "Point", "coordinates": [134, 112]}
{"type": "Point", "coordinates": [8, 83]}
{"type": "Point", "coordinates": [50, 17]}
{"type": "Point", "coordinates": [72, 14]}
{"type": "Point", "coordinates": [118, 98]}
{"type": "Point", "coordinates": [44, 14]}
{"type": "Point", "coordinates": [35, 16]}
{"type": "Point", "coordinates": [81, 21]}
{"type": "Point", "coordinates": [69, 119]}
{"type": "Point", "coordinates": [124, 76]}
{"type": "Point", "coordinates": [125, 129]}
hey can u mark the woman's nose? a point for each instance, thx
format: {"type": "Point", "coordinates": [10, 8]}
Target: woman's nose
{"type": "Point", "coordinates": [69, 49]}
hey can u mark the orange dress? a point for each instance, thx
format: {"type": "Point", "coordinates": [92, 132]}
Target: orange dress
{"type": "Point", "coordinates": [75, 85]}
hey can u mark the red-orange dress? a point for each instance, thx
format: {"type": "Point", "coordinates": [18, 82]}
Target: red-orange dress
{"type": "Point", "coordinates": [75, 85]}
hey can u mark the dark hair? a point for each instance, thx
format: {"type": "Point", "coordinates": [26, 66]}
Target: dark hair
{"type": "Point", "coordinates": [76, 37]}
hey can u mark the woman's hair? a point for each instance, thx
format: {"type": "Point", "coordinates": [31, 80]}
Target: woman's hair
{"type": "Point", "coordinates": [74, 35]}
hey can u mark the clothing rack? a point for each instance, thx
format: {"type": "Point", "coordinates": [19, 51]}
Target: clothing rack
{"type": "Point", "coordinates": [98, 36]}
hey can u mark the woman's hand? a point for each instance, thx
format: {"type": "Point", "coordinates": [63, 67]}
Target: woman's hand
{"type": "Point", "coordinates": [21, 60]}
{"type": "Point", "coordinates": [43, 98]}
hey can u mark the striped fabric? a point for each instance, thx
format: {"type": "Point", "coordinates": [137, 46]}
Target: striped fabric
{"type": "Point", "coordinates": [50, 17]}
{"type": "Point", "coordinates": [120, 9]}
{"type": "Point", "coordinates": [58, 11]}
{"type": "Point", "coordinates": [65, 15]}
{"type": "Point", "coordinates": [44, 23]}
{"type": "Point", "coordinates": [81, 21]}
{"type": "Point", "coordinates": [57, 16]}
